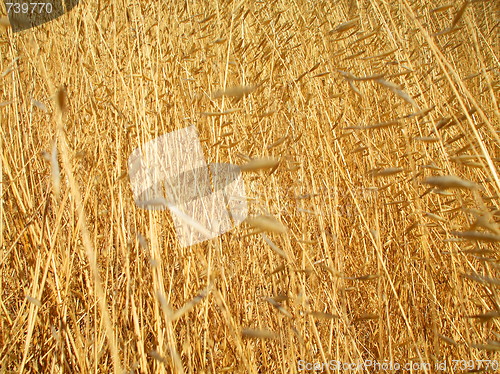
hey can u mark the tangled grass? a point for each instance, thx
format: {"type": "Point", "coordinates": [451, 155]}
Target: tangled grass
{"type": "Point", "coordinates": [378, 124]}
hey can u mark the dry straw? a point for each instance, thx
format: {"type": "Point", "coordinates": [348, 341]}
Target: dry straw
{"type": "Point", "coordinates": [318, 101]}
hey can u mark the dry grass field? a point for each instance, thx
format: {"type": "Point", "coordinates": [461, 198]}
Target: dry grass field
{"type": "Point", "coordinates": [382, 119]}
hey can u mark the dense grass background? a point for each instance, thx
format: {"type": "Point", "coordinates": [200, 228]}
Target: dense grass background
{"type": "Point", "coordinates": [360, 101]}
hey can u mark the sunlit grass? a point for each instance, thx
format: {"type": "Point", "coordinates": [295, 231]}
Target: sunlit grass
{"type": "Point", "coordinates": [369, 136]}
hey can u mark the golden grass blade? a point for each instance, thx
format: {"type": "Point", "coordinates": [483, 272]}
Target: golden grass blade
{"type": "Point", "coordinates": [237, 92]}
{"type": "Point", "coordinates": [323, 315]}
{"type": "Point", "coordinates": [487, 347]}
{"type": "Point", "coordinates": [259, 164]}
{"type": "Point", "coordinates": [366, 317]}
{"type": "Point", "coordinates": [345, 26]}
{"type": "Point", "coordinates": [61, 100]}
{"type": "Point", "coordinates": [447, 340]}
{"type": "Point", "coordinates": [274, 247]}
{"type": "Point", "coordinates": [364, 277]}
{"type": "Point", "coordinates": [189, 220]}
{"type": "Point", "coordinates": [398, 91]}
{"type": "Point", "coordinates": [39, 105]}
{"type": "Point", "coordinates": [355, 88]}
{"type": "Point", "coordinates": [435, 217]}
{"type": "Point", "coordinates": [190, 304]}
{"type": "Point", "coordinates": [442, 8]}
{"type": "Point", "coordinates": [459, 14]}
{"type": "Point", "coordinates": [426, 139]}
{"type": "Point", "coordinates": [279, 307]}
{"type": "Point", "coordinates": [388, 172]}
{"type": "Point", "coordinates": [219, 114]}
{"type": "Point", "coordinates": [377, 126]}
{"type": "Point", "coordinates": [35, 301]}
{"type": "Point", "coordinates": [450, 181]}
{"type": "Point", "coordinates": [4, 22]}
{"type": "Point", "coordinates": [477, 235]}
{"type": "Point", "coordinates": [348, 161]}
{"type": "Point", "coordinates": [486, 316]}
{"type": "Point", "coordinates": [55, 170]}
{"type": "Point", "coordinates": [267, 224]}
{"type": "Point", "coordinates": [278, 142]}
{"type": "Point", "coordinates": [258, 334]}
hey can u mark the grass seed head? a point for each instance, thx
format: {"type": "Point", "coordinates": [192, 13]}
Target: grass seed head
{"type": "Point", "coordinates": [259, 164]}
{"type": "Point", "coordinates": [450, 181]}
{"type": "Point", "coordinates": [258, 334]}
{"type": "Point", "coordinates": [267, 223]}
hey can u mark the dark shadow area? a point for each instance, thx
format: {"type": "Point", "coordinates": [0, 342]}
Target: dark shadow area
{"type": "Point", "coordinates": [25, 14]}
